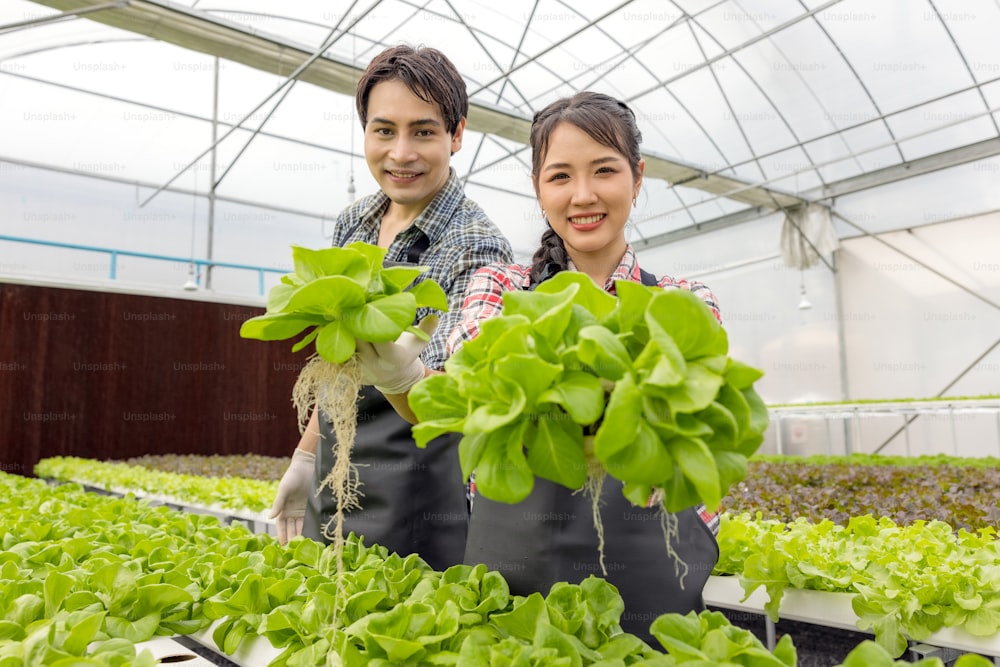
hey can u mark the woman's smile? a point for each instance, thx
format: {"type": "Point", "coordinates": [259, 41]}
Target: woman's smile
{"type": "Point", "coordinates": [586, 222]}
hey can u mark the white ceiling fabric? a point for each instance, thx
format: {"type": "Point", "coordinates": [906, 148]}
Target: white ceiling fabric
{"type": "Point", "coordinates": [796, 97]}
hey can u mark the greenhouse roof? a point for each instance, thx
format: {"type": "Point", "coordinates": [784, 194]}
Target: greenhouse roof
{"type": "Point", "coordinates": [746, 107]}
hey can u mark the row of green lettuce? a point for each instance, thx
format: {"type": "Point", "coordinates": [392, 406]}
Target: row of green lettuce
{"type": "Point", "coordinates": [85, 577]}
{"type": "Point", "coordinates": [912, 538]}
{"type": "Point", "coordinates": [233, 494]}
{"type": "Point", "coordinates": [908, 580]}
{"type": "Point", "coordinates": [878, 401]}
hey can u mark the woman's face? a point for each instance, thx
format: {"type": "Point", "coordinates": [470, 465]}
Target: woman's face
{"type": "Point", "coordinates": [586, 190]}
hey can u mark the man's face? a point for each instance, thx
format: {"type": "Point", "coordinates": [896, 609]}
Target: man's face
{"type": "Point", "coordinates": [407, 145]}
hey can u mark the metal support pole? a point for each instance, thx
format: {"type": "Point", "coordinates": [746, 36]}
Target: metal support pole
{"type": "Point", "coordinates": [829, 436]}
{"type": "Point", "coordinates": [998, 428]}
{"type": "Point", "coordinates": [954, 435]}
{"type": "Point", "coordinates": [777, 434]}
{"type": "Point", "coordinates": [906, 432]}
{"type": "Point", "coordinates": [855, 442]}
{"type": "Point", "coordinates": [211, 176]}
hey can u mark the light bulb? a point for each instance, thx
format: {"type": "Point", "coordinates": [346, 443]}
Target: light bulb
{"type": "Point", "coordinates": [804, 303]}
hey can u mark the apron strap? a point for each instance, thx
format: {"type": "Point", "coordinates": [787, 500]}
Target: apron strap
{"type": "Point", "coordinates": [413, 253]}
{"type": "Point", "coordinates": [417, 248]}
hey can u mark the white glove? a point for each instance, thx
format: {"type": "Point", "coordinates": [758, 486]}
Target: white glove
{"type": "Point", "coordinates": [296, 484]}
{"type": "Point", "coordinates": [393, 368]}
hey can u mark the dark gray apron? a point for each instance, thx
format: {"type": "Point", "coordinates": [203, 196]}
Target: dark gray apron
{"type": "Point", "coordinates": [550, 537]}
{"type": "Point", "coordinates": [413, 500]}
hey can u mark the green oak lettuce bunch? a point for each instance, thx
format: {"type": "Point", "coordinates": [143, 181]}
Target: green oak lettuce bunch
{"type": "Point", "coordinates": [647, 375]}
{"type": "Point", "coordinates": [341, 295]}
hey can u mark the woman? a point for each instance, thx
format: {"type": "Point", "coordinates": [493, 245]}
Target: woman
{"type": "Point", "coordinates": [587, 173]}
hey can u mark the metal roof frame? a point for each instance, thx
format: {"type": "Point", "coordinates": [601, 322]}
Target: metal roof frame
{"type": "Point", "coordinates": [195, 31]}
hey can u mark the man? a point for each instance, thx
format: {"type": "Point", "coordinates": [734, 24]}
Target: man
{"type": "Point", "coordinates": [412, 103]}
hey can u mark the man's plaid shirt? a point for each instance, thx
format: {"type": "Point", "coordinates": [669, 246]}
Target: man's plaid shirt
{"type": "Point", "coordinates": [462, 239]}
{"type": "Point", "coordinates": [484, 299]}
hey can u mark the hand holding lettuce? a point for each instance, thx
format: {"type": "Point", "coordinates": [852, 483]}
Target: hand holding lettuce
{"type": "Point", "coordinates": [646, 374]}
{"type": "Point", "coordinates": [342, 295]}
{"type": "Point", "coordinates": [340, 299]}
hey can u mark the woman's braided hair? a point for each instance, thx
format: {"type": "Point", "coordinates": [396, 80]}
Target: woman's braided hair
{"type": "Point", "coordinates": [607, 121]}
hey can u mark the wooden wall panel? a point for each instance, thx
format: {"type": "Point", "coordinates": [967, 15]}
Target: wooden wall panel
{"type": "Point", "coordinates": [110, 375]}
